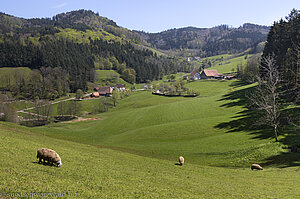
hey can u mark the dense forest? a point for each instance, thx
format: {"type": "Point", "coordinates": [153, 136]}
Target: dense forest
{"type": "Point", "coordinates": [205, 42]}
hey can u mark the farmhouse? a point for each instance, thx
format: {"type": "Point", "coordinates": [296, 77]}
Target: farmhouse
{"type": "Point", "coordinates": [195, 75]}
{"type": "Point", "coordinates": [186, 77]}
{"type": "Point", "coordinates": [119, 87]}
{"type": "Point", "coordinates": [211, 74]}
{"type": "Point", "coordinates": [95, 94]}
{"type": "Point", "coordinates": [230, 77]}
{"type": "Point", "coordinates": [105, 91]}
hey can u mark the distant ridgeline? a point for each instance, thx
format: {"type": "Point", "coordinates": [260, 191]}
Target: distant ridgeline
{"type": "Point", "coordinates": [205, 42]}
{"type": "Point", "coordinates": [77, 43]}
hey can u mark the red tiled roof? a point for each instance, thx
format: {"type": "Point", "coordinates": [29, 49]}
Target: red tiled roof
{"type": "Point", "coordinates": [194, 72]}
{"type": "Point", "coordinates": [105, 90]}
{"type": "Point", "coordinates": [212, 73]}
{"type": "Point", "coordinates": [120, 86]}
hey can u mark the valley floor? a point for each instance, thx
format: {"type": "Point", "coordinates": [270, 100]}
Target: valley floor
{"type": "Point", "coordinates": [132, 151]}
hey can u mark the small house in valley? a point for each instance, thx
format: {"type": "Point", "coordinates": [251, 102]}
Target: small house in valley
{"type": "Point", "coordinates": [186, 77]}
{"type": "Point", "coordinates": [230, 77]}
{"type": "Point", "coordinates": [195, 75]}
{"type": "Point", "coordinates": [95, 94]}
{"type": "Point", "coordinates": [105, 91]}
{"type": "Point", "coordinates": [119, 87]}
{"type": "Point", "coordinates": [211, 74]}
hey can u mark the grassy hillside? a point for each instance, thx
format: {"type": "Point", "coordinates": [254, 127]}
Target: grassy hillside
{"type": "Point", "coordinates": [94, 172]}
{"type": "Point", "coordinates": [110, 77]}
{"type": "Point", "coordinates": [198, 128]}
{"type": "Point", "coordinates": [226, 63]}
{"type": "Point", "coordinates": [229, 64]}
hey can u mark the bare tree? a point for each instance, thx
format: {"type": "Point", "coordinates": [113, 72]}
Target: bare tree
{"type": "Point", "coordinates": [266, 96]}
{"type": "Point", "coordinates": [297, 72]}
{"type": "Point", "coordinates": [43, 110]}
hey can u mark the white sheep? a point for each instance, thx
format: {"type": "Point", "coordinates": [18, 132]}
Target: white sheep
{"type": "Point", "coordinates": [48, 155]}
{"type": "Point", "coordinates": [181, 160]}
{"type": "Point", "coordinates": [256, 166]}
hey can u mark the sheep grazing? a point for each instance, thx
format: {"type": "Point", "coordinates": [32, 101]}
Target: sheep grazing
{"type": "Point", "coordinates": [256, 166]}
{"type": "Point", "coordinates": [181, 160]}
{"type": "Point", "coordinates": [48, 155]}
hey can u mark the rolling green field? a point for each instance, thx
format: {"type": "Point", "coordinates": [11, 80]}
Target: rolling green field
{"type": "Point", "coordinates": [132, 150]}
{"type": "Point", "coordinates": [162, 127]}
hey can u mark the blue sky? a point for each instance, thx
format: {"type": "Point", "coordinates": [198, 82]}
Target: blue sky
{"type": "Point", "coordinates": [159, 15]}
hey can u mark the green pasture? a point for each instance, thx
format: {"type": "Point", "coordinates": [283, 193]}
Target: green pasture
{"type": "Point", "coordinates": [96, 172]}
{"type": "Point", "coordinates": [104, 77]}
{"type": "Point", "coordinates": [166, 78]}
{"type": "Point", "coordinates": [203, 129]}
{"type": "Point", "coordinates": [132, 151]}
{"type": "Point", "coordinates": [228, 65]}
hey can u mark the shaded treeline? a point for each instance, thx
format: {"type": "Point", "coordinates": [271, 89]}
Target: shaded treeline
{"type": "Point", "coordinates": [283, 44]}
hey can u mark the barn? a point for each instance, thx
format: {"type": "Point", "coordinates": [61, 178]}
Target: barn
{"type": "Point", "coordinates": [105, 91]}
{"type": "Point", "coordinates": [211, 74]}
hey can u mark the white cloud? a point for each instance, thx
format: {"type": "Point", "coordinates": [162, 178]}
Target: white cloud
{"type": "Point", "coordinates": [60, 5]}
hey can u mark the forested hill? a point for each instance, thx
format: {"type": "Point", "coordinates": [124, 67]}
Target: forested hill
{"type": "Point", "coordinates": [78, 42]}
{"type": "Point", "coordinates": [209, 41]}
{"type": "Point", "coordinates": [81, 20]}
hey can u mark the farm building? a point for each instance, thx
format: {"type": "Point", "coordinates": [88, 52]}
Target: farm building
{"type": "Point", "coordinates": [211, 74]}
{"type": "Point", "coordinates": [119, 87]}
{"type": "Point", "coordinates": [186, 77]}
{"type": "Point", "coordinates": [105, 91]}
{"type": "Point", "coordinates": [230, 77]}
{"type": "Point", "coordinates": [95, 94]}
{"type": "Point", "coordinates": [195, 75]}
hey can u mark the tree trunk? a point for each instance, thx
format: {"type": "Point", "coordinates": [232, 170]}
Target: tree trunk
{"type": "Point", "coordinates": [276, 133]}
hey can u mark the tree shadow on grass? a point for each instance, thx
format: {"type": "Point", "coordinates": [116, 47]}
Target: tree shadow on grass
{"type": "Point", "coordinates": [283, 160]}
{"type": "Point", "coordinates": [248, 120]}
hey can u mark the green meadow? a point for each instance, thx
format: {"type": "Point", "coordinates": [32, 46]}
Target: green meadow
{"type": "Point", "coordinates": [96, 172]}
{"type": "Point", "coordinates": [106, 76]}
{"type": "Point", "coordinates": [227, 63]}
{"type": "Point", "coordinates": [164, 128]}
{"type": "Point", "coordinates": [131, 151]}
